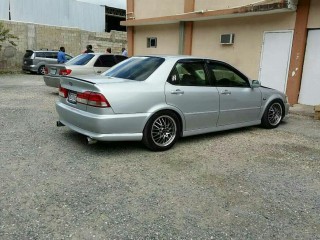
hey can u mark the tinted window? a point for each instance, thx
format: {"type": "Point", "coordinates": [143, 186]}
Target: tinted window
{"type": "Point", "coordinates": [53, 55]}
{"type": "Point", "coordinates": [188, 74]}
{"type": "Point", "coordinates": [105, 61]}
{"type": "Point", "coordinates": [135, 68]}
{"type": "Point", "coordinates": [41, 55]}
{"type": "Point", "coordinates": [225, 76]}
{"type": "Point", "coordinates": [120, 58]}
{"type": "Point", "coordinates": [80, 59]}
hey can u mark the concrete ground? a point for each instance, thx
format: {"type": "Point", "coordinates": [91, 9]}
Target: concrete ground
{"type": "Point", "coordinates": [249, 183]}
{"type": "Point", "coordinates": [303, 110]}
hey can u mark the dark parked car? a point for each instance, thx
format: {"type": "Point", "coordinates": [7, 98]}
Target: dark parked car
{"type": "Point", "coordinates": [35, 61]}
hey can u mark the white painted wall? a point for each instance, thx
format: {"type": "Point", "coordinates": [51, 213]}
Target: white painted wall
{"type": "Point", "coordinates": [310, 83]}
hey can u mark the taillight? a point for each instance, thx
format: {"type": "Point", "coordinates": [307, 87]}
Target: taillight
{"type": "Point", "coordinates": [92, 99]}
{"type": "Point", "coordinates": [63, 92]}
{"type": "Point", "coordinates": [65, 72]}
{"type": "Point", "coordinates": [46, 71]}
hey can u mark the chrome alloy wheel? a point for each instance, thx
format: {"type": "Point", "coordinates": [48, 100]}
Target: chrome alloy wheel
{"type": "Point", "coordinates": [275, 114]}
{"type": "Point", "coordinates": [163, 131]}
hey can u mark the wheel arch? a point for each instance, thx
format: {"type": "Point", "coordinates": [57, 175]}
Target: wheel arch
{"type": "Point", "coordinates": [270, 100]}
{"type": "Point", "coordinates": [178, 114]}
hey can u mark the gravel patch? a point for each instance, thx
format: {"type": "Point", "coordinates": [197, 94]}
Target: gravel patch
{"type": "Point", "coordinates": [250, 183]}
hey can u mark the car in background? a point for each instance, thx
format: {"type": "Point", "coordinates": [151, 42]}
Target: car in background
{"type": "Point", "coordinates": [158, 99]}
{"type": "Point", "coordinates": [35, 61]}
{"type": "Point", "coordinates": [83, 64]}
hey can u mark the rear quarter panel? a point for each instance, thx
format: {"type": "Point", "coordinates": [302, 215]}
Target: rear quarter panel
{"type": "Point", "coordinates": [133, 97]}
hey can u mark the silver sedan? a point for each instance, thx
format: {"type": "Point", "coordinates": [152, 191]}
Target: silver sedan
{"type": "Point", "coordinates": [158, 99]}
{"type": "Point", "coordinates": [83, 64]}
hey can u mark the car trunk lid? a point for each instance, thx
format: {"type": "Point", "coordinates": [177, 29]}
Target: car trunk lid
{"type": "Point", "coordinates": [54, 69]}
{"type": "Point", "coordinates": [74, 88]}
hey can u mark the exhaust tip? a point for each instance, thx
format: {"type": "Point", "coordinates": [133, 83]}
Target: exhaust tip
{"type": "Point", "coordinates": [91, 141]}
{"type": "Point", "coordinates": [59, 124]}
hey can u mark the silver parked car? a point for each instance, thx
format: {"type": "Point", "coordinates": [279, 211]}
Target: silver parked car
{"type": "Point", "coordinates": [35, 61]}
{"type": "Point", "coordinates": [83, 64]}
{"type": "Point", "coordinates": [158, 99]}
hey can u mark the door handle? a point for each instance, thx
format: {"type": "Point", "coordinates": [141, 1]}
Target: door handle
{"type": "Point", "coordinates": [177, 92]}
{"type": "Point", "coordinates": [98, 71]}
{"type": "Point", "coordinates": [226, 92]}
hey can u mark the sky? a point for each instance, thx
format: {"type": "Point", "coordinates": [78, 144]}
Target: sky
{"type": "Point", "coordinates": [122, 4]}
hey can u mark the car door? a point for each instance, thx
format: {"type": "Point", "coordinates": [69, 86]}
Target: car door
{"type": "Point", "coordinates": [103, 63]}
{"type": "Point", "coordinates": [188, 88]}
{"type": "Point", "coordinates": [239, 103]}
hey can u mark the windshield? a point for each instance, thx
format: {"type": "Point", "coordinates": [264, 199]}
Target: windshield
{"type": "Point", "coordinates": [82, 59]}
{"type": "Point", "coordinates": [135, 68]}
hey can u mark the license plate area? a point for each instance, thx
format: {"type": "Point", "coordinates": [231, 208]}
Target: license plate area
{"type": "Point", "coordinates": [53, 71]}
{"type": "Point", "coordinates": [72, 97]}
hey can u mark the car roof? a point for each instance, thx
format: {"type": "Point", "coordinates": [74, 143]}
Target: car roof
{"type": "Point", "coordinates": [102, 53]}
{"type": "Point", "coordinates": [30, 50]}
{"type": "Point", "coordinates": [176, 57]}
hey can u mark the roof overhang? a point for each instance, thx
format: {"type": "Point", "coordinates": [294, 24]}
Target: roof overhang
{"type": "Point", "coordinates": [261, 8]}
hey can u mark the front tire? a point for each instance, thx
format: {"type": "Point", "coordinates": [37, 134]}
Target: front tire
{"type": "Point", "coordinates": [161, 131]}
{"type": "Point", "coordinates": [273, 115]}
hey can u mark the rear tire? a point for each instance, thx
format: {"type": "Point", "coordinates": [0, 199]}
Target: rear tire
{"type": "Point", "coordinates": [161, 131]}
{"type": "Point", "coordinates": [41, 70]}
{"type": "Point", "coordinates": [273, 115]}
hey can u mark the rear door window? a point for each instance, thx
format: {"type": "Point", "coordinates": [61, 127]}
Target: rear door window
{"type": "Point", "coordinates": [54, 55]}
{"type": "Point", "coordinates": [105, 61]}
{"type": "Point", "coordinates": [120, 58]}
{"type": "Point", "coordinates": [41, 54]}
{"type": "Point", "coordinates": [189, 73]}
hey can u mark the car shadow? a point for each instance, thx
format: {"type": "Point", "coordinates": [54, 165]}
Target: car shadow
{"type": "Point", "coordinates": [133, 146]}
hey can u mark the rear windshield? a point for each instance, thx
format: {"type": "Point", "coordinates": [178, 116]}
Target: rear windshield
{"type": "Point", "coordinates": [82, 59]}
{"type": "Point", "coordinates": [28, 54]}
{"type": "Point", "coordinates": [135, 68]}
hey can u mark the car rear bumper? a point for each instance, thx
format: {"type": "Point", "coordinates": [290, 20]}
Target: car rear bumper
{"type": "Point", "coordinates": [111, 127]}
{"type": "Point", "coordinates": [52, 81]}
{"type": "Point", "coordinates": [30, 68]}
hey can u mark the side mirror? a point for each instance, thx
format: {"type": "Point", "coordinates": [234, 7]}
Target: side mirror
{"type": "Point", "coordinates": [255, 84]}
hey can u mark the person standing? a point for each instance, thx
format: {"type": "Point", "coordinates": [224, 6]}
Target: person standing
{"type": "Point", "coordinates": [124, 52]}
{"type": "Point", "coordinates": [88, 49]}
{"type": "Point", "coordinates": [108, 50]}
{"type": "Point", "coordinates": [61, 55]}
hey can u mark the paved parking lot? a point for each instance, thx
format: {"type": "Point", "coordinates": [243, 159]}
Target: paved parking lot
{"type": "Point", "coordinates": [250, 183]}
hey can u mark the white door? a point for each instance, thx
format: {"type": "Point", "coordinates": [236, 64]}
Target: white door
{"type": "Point", "coordinates": [310, 83]}
{"type": "Point", "coordinates": [275, 59]}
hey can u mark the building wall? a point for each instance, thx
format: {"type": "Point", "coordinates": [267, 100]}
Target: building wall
{"type": "Point", "coordinates": [153, 8]}
{"type": "Point", "coordinates": [69, 13]}
{"type": "Point", "coordinates": [245, 53]}
{"type": "Point", "coordinates": [314, 14]}
{"type": "Point", "coordinates": [35, 36]}
{"type": "Point", "coordinates": [167, 39]}
{"type": "Point", "coordinates": [218, 4]}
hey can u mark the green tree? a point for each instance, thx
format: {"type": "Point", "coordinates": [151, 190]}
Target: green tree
{"type": "Point", "coordinates": [6, 36]}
